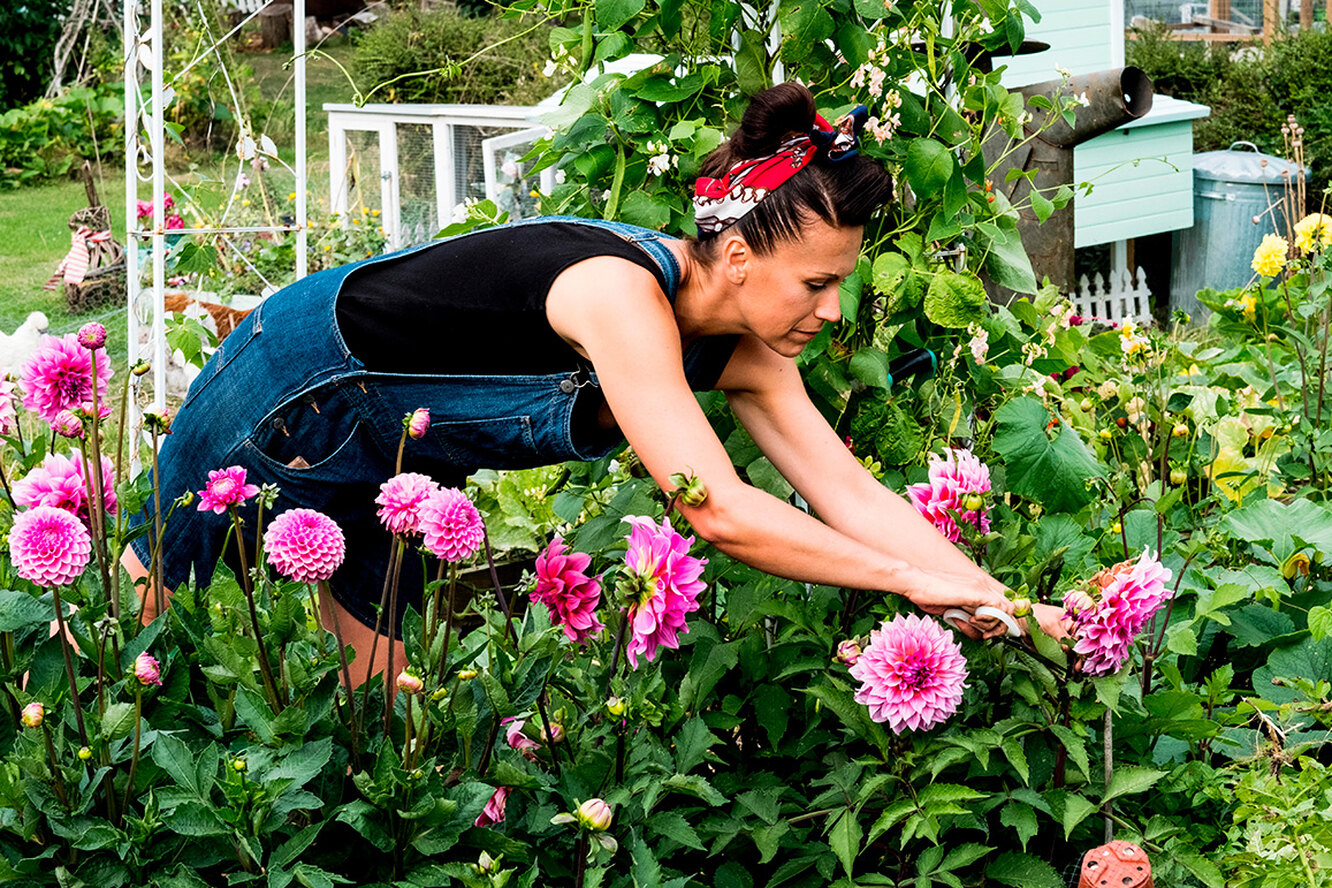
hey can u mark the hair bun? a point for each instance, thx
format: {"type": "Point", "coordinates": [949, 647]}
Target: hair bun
{"type": "Point", "coordinates": [772, 116]}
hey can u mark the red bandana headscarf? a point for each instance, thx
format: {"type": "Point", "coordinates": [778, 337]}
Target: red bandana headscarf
{"type": "Point", "coordinates": [719, 203]}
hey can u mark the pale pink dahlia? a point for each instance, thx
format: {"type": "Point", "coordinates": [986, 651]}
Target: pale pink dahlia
{"type": "Point", "coordinates": [58, 376]}
{"type": "Point", "coordinates": [305, 545]}
{"type": "Point", "coordinates": [660, 583]}
{"type": "Point", "coordinates": [563, 585]}
{"type": "Point", "coordinates": [49, 546]}
{"type": "Point", "coordinates": [451, 524]}
{"type": "Point", "coordinates": [8, 415]}
{"type": "Point", "coordinates": [33, 714]}
{"type": "Point", "coordinates": [64, 482]}
{"type": "Point", "coordinates": [912, 673]}
{"type": "Point", "coordinates": [514, 736]}
{"type": "Point", "coordinates": [958, 481]}
{"type": "Point", "coordinates": [225, 487]}
{"type": "Point", "coordinates": [147, 670]}
{"type": "Point", "coordinates": [400, 499]}
{"type": "Point", "coordinates": [494, 810]}
{"type": "Point", "coordinates": [1123, 599]}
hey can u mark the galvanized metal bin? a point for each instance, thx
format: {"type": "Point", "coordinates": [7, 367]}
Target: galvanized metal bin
{"type": "Point", "coordinates": [1230, 189]}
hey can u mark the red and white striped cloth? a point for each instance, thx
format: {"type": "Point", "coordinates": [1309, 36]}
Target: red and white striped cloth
{"type": "Point", "coordinates": [74, 267]}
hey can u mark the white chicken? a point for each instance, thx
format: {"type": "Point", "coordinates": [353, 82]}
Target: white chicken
{"type": "Point", "coordinates": [16, 347]}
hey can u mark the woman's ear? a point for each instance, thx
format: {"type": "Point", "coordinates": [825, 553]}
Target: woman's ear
{"type": "Point", "coordinates": [735, 256]}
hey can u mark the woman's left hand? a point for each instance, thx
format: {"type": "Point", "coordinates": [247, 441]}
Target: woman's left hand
{"type": "Point", "coordinates": [1052, 620]}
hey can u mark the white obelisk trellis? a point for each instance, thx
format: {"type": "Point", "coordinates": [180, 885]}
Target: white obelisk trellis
{"type": "Point", "coordinates": [145, 49]}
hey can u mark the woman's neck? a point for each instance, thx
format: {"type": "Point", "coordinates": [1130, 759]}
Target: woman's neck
{"type": "Point", "coordinates": [702, 301]}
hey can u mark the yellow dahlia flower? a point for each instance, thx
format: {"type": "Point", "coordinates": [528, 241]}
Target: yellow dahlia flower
{"type": "Point", "coordinates": [1270, 257]}
{"type": "Point", "coordinates": [1313, 232]}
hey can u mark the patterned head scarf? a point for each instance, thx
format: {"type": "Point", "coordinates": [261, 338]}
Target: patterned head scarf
{"type": "Point", "coordinates": [719, 203]}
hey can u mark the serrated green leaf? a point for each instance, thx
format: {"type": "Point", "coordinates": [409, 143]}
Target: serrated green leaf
{"type": "Point", "coordinates": [1022, 817]}
{"type": "Point", "coordinates": [1023, 871]}
{"type": "Point", "coordinates": [1076, 810]}
{"type": "Point", "coordinates": [1131, 780]}
{"type": "Point", "coordinates": [955, 300]}
{"type": "Point", "coordinates": [692, 743]}
{"type": "Point", "coordinates": [1076, 746]}
{"type": "Point", "coordinates": [694, 785]}
{"type": "Point", "coordinates": [672, 825]}
{"type": "Point", "coordinates": [118, 720]}
{"type": "Point", "coordinates": [845, 839]}
{"type": "Point", "coordinates": [19, 610]}
{"type": "Point", "coordinates": [172, 755]}
{"type": "Point", "coordinates": [1017, 757]}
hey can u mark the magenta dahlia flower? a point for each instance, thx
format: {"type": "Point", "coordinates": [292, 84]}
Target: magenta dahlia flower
{"type": "Point", "coordinates": [912, 673]}
{"type": "Point", "coordinates": [562, 584]}
{"type": "Point", "coordinates": [58, 376]}
{"type": "Point", "coordinates": [494, 810]}
{"type": "Point", "coordinates": [92, 335]}
{"type": "Point", "coordinates": [958, 481]}
{"type": "Point", "coordinates": [64, 483]}
{"type": "Point", "coordinates": [225, 487]}
{"type": "Point", "coordinates": [400, 499]}
{"type": "Point", "coordinates": [418, 423]}
{"type": "Point", "coordinates": [147, 670]}
{"type": "Point", "coordinates": [305, 545]}
{"type": "Point", "coordinates": [514, 736]}
{"type": "Point", "coordinates": [49, 546]}
{"type": "Point", "coordinates": [451, 524]}
{"type": "Point", "coordinates": [660, 583]}
{"type": "Point", "coordinates": [1109, 614]}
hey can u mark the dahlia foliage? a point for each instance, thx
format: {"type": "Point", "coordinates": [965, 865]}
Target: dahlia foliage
{"type": "Point", "coordinates": [562, 584]}
{"type": "Point", "coordinates": [912, 673]}
{"type": "Point", "coordinates": [305, 545]}
{"type": "Point", "coordinates": [958, 483]}
{"type": "Point", "coordinates": [660, 584]}
{"type": "Point", "coordinates": [1113, 608]}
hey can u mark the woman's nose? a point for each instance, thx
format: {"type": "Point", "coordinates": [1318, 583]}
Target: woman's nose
{"type": "Point", "coordinates": [829, 307]}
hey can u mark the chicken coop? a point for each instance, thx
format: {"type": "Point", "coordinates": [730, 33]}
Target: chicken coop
{"type": "Point", "coordinates": [417, 163]}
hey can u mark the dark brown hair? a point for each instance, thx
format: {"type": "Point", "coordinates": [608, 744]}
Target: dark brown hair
{"type": "Point", "coordinates": [844, 192]}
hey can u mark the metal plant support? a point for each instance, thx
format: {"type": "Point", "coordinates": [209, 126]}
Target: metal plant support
{"type": "Point", "coordinates": [144, 142]}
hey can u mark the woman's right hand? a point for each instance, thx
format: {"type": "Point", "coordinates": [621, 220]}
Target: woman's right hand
{"type": "Point", "coordinates": [936, 591]}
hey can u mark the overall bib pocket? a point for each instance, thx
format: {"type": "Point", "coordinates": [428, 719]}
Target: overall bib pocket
{"type": "Point", "coordinates": [307, 432]}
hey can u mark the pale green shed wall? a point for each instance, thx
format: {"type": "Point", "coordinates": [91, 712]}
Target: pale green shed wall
{"type": "Point", "coordinates": [1129, 200]}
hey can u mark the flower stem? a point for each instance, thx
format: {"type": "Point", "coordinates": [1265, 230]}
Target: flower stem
{"type": "Point", "coordinates": [58, 781]}
{"type": "Point", "coordinates": [395, 555]}
{"type": "Point", "coordinates": [265, 669]}
{"type": "Point", "coordinates": [319, 623]}
{"type": "Point", "coordinates": [448, 621]}
{"type": "Point", "coordinates": [550, 740]}
{"type": "Point", "coordinates": [389, 675]}
{"type": "Point", "coordinates": [98, 516]}
{"type": "Point", "coordinates": [69, 666]}
{"type": "Point", "coordinates": [92, 486]}
{"type": "Point", "coordinates": [346, 671]}
{"type": "Point", "coordinates": [499, 589]}
{"type": "Point", "coordinates": [615, 652]}
{"type": "Point", "coordinates": [134, 757]}
{"type": "Point", "coordinates": [158, 571]}
{"type": "Point", "coordinates": [407, 737]}
{"type": "Point", "coordinates": [120, 464]}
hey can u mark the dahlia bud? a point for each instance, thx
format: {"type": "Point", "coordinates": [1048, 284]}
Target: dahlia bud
{"type": "Point", "coordinates": [466, 674]}
{"type": "Point", "coordinates": [689, 488]}
{"type": "Point", "coordinates": [595, 814]}
{"type": "Point", "coordinates": [67, 425]}
{"type": "Point", "coordinates": [147, 670]}
{"type": "Point", "coordinates": [238, 765]}
{"type": "Point", "coordinates": [616, 706]}
{"type": "Point", "coordinates": [1181, 430]}
{"type": "Point", "coordinates": [1076, 600]}
{"type": "Point", "coordinates": [484, 864]}
{"type": "Point", "coordinates": [1178, 476]}
{"type": "Point", "coordinates": [1021, 607]}
{"type": "Point", "coordinates": [92, 336]}
{"type": "Point", "coordinates": [409, 683]}
{"type": "Point", "coordinates": [141, 368]}
{"type": "Point", "coordinates": [974, 502]}
{"type": "Point", "coordinates": [158, 422]}
{"type": "Point", "coordinates": [84, 753]}
{"type": "Point", "coordinates": [417, 423]}
{"type": "Point", "coordinates": [33, 714]}
{"type": "Point", "coordinates": [848, 652]}
{"type": "Point", "coordinates": [555, 732]}
{"type": "Point", "coordinates": [439, 694]}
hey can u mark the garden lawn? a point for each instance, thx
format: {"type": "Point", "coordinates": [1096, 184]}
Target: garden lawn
{"type": "Point", "coordinates": [34, 236]}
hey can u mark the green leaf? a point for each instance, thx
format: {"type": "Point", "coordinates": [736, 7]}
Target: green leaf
{"type": "Point", "coordinates": [1006, 261]}
{"type": "Point", "coordinates": [692, 744]}
{"type": "Point", "coordinates": [647, 872]}
{"type": "Point", "coordinates": [763, 802]}
{"type": "Point", "coordinates": [890, 272]}
{"type": "Point", "coordinates": [870, 366]}
{"type": "Point", "coordinates": [1053, 472]}
{"type": "Point", "coordinates": [19, 610]}
{"type": "Point", "coordinates": [172, 755]}
{"type": "Point", "coordinates": [765, 476]}
{"type": "Point", "coordinates": [118, 720]}
{"type": "Point", "coordinates": [929, 165]}
{"type": "Point", "coordinates": [845, 839]}
{"type": "Point", "coordinates": [1278, 524]}
{"type": "Point", "coordinates": [611, 14]}
{"type": "Point", "coordinates": [964, 855]}
{"type": "Point", "coordinates": [1023, 871]}
{"type": "Point", "coordinates": [1310, 659]}
{"type": "Point", "coordinates": [751, 71]}
{"type": "Point", "coordinates": [1131, 780]}
{"type": "Point", "coordinates": [1206, 872]}
{"type": "Point", "coordinates": [694, 785]}
{"type": "Point", "coordinates": [1041, 205]}
{"type": "Point", "coordinates": [955, 300]}
{"type": "Point", "coordinates": [255, 713]}
{"type": "Point", "coordinates": [804, 25]}
{"type": "Point", "coordinates": [1320, 622]}
{"type": "Point", "coordinates": [646, 210]}
{"type": "Point", "coordinates": [1022, 817]}
{"type": "Point", "coordinates": [673, 825]}
{"type": "Point", "coordinates": [1076, 810]}
{"type": "Point", "coordinates": [1017, 757]}
{"type": "Point", "coordinates": [1076, 746]}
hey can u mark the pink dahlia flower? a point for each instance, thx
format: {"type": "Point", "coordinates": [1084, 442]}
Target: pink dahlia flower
{"type": "Point", "coordinates": [49, 546]}
{"type": "Point", "coordinates": [58, 376]}
{"type": "Point", "coordinates": [1130, 593]}
{"type": "Point", "coordinates": [661, 585]}
{"type": "Point", "coordinates": [400, 499]}
{"type": "Point", "coordinates": [418, 423]}
{"type": "Point", "coordinates": [64, 483]}
{"type": "Point", "coordinates": [92, 335]}
{"type": "Point", "coordinates": [514, 736]}
{"type": "Point", "coordinates": [912, 673]}
{"type": "Point", "coordinates": [225, 487]}
{"type": "Point", "coordinates": [494, 810]}
{"type": "Point", "coordinates": [8, 415]}
{"type": "Point", "coordinates": [958, 481]}
{"type": "Point", "coordinates": [147, 670]}
{"type": "Point", "coordinates": [563, 585]}
{"type": "Point", "coordinates": [305, 545]}
{"type": "Point", "coordinates": [451, 524]}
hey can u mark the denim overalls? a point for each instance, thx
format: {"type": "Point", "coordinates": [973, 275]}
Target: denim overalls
{"type": "Point", "coordinates": [285, 399]}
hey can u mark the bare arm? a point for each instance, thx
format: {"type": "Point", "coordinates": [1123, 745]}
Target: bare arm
{"type": "Point", "coordinates": [614, 313]}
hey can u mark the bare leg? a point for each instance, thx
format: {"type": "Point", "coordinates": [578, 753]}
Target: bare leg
{"type": "Point", "coordinates": [143, 585]}
{"type": "Point", "coordinates": [358, 635]}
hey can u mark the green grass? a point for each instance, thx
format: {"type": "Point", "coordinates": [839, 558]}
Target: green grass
{"type": "Point", "coordinates": [34, 228]}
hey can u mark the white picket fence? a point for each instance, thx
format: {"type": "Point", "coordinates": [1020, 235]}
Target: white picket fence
{"type": "Point", "coordinates": [1118, 299]}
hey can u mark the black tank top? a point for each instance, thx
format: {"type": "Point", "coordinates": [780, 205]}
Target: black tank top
{"type": "Point", "coordinates": [476, 304]}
